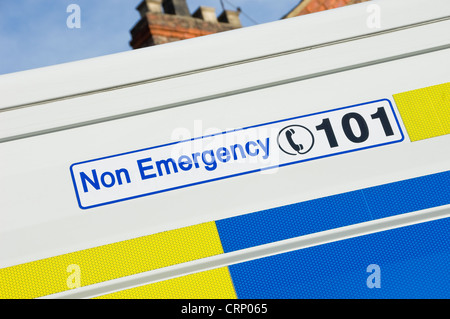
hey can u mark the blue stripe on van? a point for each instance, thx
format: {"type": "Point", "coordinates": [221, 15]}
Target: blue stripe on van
{"type": "Point", "coordinates": [410, 262]}
{"type": "Point", "coordinates": [334, 211]}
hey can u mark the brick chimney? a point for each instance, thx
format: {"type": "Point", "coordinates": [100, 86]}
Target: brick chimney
{"type": "Point", "coordinates": [164, 21]}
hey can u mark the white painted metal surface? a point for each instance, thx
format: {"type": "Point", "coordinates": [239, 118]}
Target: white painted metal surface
{"type": "Point", "coordinates": [221, 49]}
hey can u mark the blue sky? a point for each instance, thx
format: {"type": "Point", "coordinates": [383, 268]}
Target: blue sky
{"type": "Point", "coordinates": [33, 33]}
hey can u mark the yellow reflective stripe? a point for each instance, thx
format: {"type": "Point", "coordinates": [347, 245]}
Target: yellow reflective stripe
{"type": "Point", "coordinates": [211, 284]}
{"type": "Point", "coordinates": [98, 264]}
{"type": "Point", "coordinates": [425, 112]}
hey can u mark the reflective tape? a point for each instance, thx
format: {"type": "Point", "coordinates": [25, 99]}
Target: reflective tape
{"type": "Point", "coordinates": [211, 284]}
{"type": "Point", "coordinates": [334, 211]}
{"type": "Point", "coordinates": [98, 264]}
{"type": "Point", "coordinates": [425, 112]}
{"type": "Point", "coordinates": [407, 262]}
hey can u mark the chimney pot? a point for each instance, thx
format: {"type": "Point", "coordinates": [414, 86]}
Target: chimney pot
{"type": "Point", "coordinates": [178, 7]}
{"type": "Point", "coordinates": [231, 17]}
{"type": "Point", "coordinates": [154, 6]}
{"type": "Point", "coordinates": [206, 13]}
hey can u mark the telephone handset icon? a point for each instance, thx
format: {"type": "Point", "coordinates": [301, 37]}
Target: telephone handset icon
{"type": "Point", "coordinates": [295, 146]}
{"type": "Point", "coordinates": [290, 144]}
